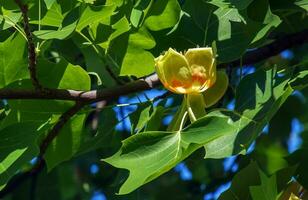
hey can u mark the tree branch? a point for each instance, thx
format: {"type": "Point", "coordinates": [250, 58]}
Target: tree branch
{"type": "Point", "coordinates": [84, 96]}
{"type": "Point", "coordinates": [31, 46]}
{"type": "Point", "coordinates": [151, 81]}
{"type": "Point", "coordinates": [271, 49]}
{"type": "Point", "coordinates": [18, 179]}
{"type": "Point", "coordinates": [53, 133]}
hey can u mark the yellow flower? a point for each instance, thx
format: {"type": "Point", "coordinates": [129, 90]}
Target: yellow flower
{"type": "Point", "coordinates": [193, 72]}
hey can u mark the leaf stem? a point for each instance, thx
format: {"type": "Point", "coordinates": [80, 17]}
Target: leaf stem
{"type": "Point", "coordinates": [183, 121]}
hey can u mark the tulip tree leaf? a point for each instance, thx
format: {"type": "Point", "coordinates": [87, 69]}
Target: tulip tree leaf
{"type": "Point", "coordinates": [258, 185]}
{"type": "Point", "coordinates": [49, 3]}
{"type": "Point", "coordinates": [232, 28]}
{"type": "Point", "coordinates": [13, 65]}
{"type": "Point", "coordinates": [56, 34]}
{"type": "Point", "coordinates": [8, 18]}
{"type": "Point", "coordinates": [135, 60]}
{"type": "Point", "coordinates": [53, 16]}
{"type": "Point", "coordinates": [258, 97]}
{"type": "Point", "coordinates": [302, 3]}
{"type": "Point", "coordinates": [264, 16]}
{"type": "Point", "coordinates": [139, 11]}
{"type": "Point", "coordinates": [94, 14]}
{"type": "Point", "coordinates": [68, 26]}
{"type": "Point", "coordinates": [166, 149]}
{"type": "Point", "coordinates": [163, 14]}
{"type": "Point", "coordinates": [67, 143]}
{"type": "Point", "coordinates": [222, 133]}
{"type": "Point", "coordinates": [18, 147]}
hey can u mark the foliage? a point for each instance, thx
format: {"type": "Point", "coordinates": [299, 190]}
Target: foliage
{"type": "Point", "coordinates": [102, 44]}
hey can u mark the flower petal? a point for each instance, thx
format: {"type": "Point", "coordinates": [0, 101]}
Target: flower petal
{"type": "Point", "coordinates": [173, 70]}
{"type": "Point", "coordinates": [203, 65]}
{"type": "Point", "coordinates": [217, 91]}
{"type": "Point", "coordinates": [200, 56]}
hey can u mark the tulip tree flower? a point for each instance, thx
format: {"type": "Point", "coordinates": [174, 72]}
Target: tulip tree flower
{"type": "Point", "coordinates": [194, 75]}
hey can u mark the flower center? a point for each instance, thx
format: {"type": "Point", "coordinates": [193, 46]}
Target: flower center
{"type": "Point", "coordinates": [198, 74]}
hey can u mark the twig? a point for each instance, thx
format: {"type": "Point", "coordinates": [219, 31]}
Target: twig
{"type": "Point", "coordinates": [31, 46]}
{"type": "Point", "coordinates": [18, 179]}
{"type": "Point", "coordinates": [99, 106]}
{"type": "Point", "coordinates": [58, 126]}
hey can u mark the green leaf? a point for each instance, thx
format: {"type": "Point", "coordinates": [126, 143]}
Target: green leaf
{"type": "Point", "coordinates": [234, 29]}
{"type": "Point", "coordinates": [300, 82]}
{"type": "Point", "coordinates": [53, 16]}
{"type": "Point", "coordinates": [56, 34]}
{"type": "Point", "coordinates": [155, 119]}
{"type": "Point", "coordinates": [260, 12]}
{"type": "Point", "coordinates": [258, 98]}
{"type": "Point", "coordinates": [136, 61]}
{"type": "Point", "coordinates": [158, 149]}
{"type": "Point", "coordinates": [224, 24]}
{"type": "Point", "coordinates": [240, 184]}
{"type": "Point", "coordinates": [139, 11]}
{"type": "Point", "coordinates": [143, 115]}
{"type": "Point", "coordinates": [267, 190]}
{"type": "Point", "coordinates": [49, 3]}
{"type": "Point", "coordinates": [94, 14]}
{"type": "Point", "coordinates": [87, 1]}
{"type": "Point", "coordinates": [18, 147]}
{"type": "Point", "coordinates": [120, 27]}
{"type": "Point", "coordinates": [241, 4]}
{"type": "Point", "coordinates": [13, 64]}
{"type": "Point", "coordinates": [63, 75]}
{"type": "Point", "coordinates": [163, 14]}
{"type": "Point", "coordinates": [147, 117]}
{"type": "Point", "coordinates": [149, 154]}
{"type": "Point", "coordinates": [95, 63]}
{"type": "Point", "coordinates": [302, 3]}
{"type": "Point", "coordinates": [252, 183]}
{"type": "Point", "coordinates": [61, 177]}
{"type": "Point", "coordinates": [267, 150]}
{"type": "Point", "coordinates": [8, 17]}
{"type": "Point", "coordinates": [68, 26]}
{"type": "Point", "coordinates": [67, 143]}
{"type": "Point", "coordinates": [105, 136]}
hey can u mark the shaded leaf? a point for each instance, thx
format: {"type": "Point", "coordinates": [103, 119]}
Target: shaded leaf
{"type": "Point", "coordinates": [13, 64]}
{"type": "Point", "coordinates": [18, 147]}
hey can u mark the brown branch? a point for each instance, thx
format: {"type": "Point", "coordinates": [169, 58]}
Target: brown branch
{"type": "Point", "coordinates": [18, 179]}
{"type": "Point", "coordinates": [271, 49]}
{"type": "Point", "coordinates": [95, 119]}
{"type": "Point", "coordinates": [31, 46]}
{"type": "Point", "coordinates": [151, 81]}
{"type": "Point", "coordinates": [84, 96]}
{"type": "Point", "coordinates": [53, 133]}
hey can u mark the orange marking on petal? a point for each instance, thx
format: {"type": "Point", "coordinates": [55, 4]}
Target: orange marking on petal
{"type": "Point", "coordinates": [176, 83]}
{"type": "Point", "coordinates": [199, 78]}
